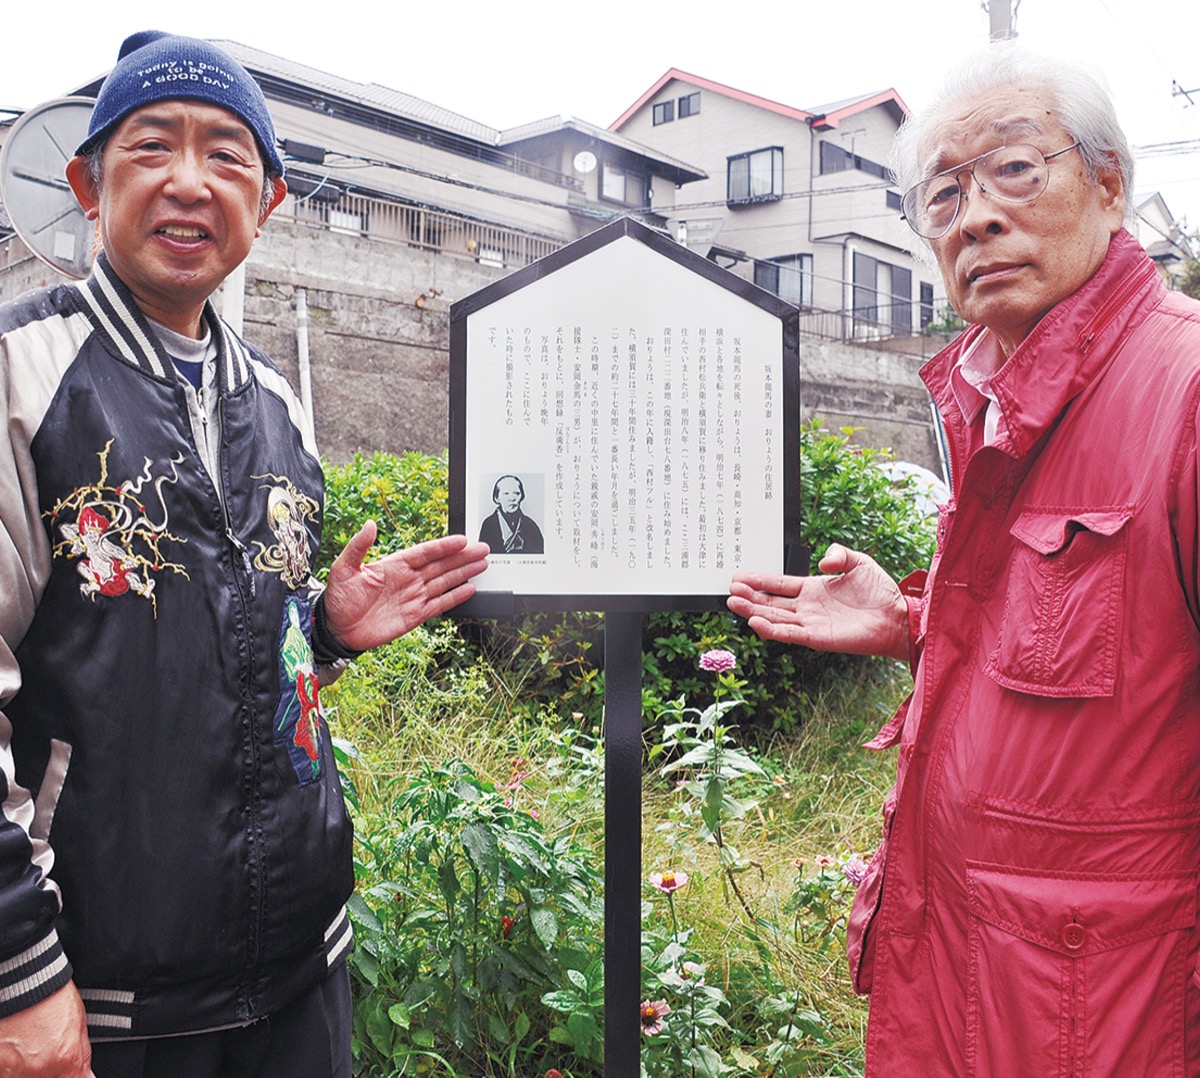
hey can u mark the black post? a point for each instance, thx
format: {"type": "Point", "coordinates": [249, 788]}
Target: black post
{"type": "Point", "coordinates": [622, 844]}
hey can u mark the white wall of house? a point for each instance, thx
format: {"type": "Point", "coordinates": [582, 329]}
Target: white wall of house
{"type": "Point", "coordinates": [820, 219]}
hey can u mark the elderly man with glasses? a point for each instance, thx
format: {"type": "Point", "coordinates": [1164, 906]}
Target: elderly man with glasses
{"type": "Point", "coordinates": [1032, 908]}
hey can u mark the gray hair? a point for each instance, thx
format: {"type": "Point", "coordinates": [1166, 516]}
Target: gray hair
{"type": "Point", "coordinates": [93, 161]}
{"type": "Point", "coordinates": [1083, 103]}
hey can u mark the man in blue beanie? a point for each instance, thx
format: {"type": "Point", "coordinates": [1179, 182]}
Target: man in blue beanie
{"type": "Point", "coordinates": [175, 856]}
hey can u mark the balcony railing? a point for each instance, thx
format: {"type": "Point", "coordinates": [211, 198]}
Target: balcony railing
{"type": "Point", "coordinates": [429, 230]}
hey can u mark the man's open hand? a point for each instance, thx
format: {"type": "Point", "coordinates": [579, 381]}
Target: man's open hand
{"type": "Point", "coordinates": [368, 605]}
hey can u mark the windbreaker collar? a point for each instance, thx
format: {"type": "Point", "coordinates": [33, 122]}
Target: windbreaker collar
{"type": "Point", "coordinates": [117, 315]}
{"type": "Point", "coordinates": [1067, 349]}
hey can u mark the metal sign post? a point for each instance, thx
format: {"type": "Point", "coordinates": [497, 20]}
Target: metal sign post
{"type": "Point", "coordinates": [622, 841]}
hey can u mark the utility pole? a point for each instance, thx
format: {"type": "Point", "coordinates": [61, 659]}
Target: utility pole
{"type": "Point", "coordinates": [1002, 16]}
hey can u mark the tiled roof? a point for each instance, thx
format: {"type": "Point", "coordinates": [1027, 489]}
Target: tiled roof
{"type": "Point", "coordinates": [832, 113]}
{"type": "Point", "coordinates": [370, 94]}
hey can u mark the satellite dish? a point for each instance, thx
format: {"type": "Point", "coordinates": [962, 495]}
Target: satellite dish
{"type": "Point", "coordinates": [584, 161]}
{"type": "Point", "coordinates": [33, 184]}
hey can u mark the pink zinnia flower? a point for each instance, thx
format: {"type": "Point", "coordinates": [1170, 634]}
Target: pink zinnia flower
{"type": "Point", "coordinates": [668, 881]}
{"type": "Point", "coordinates": [855, 871]}
{"type": "Point", "coordinates": [718, 661]}
{"type": "Point", "coordinates": [653, 1013]}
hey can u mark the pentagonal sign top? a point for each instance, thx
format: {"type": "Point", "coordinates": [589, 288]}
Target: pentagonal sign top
{"type": "Point", "coordinates": [624, 428]}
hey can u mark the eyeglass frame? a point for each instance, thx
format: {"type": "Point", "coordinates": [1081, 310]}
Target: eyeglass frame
{"type": "Point", "coordinates": [969, 166]}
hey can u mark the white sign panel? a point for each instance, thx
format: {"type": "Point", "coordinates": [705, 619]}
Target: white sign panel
{"type": "Point", "coordinates": [625, 424]}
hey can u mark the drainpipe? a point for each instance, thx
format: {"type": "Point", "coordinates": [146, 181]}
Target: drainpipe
{"type": "Point", "coordinates": [233, 299]}
{"type": "Point", "coordinates": [302, 355]}
{"type": "Point", "coordinates": [847, 288]}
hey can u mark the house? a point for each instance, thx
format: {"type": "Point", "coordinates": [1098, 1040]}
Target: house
{"type": "Point", "coordinates": [1164, 237]}
{"type": "Point", "coordinates": [799, 200]}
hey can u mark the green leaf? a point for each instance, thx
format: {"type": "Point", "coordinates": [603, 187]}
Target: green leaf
{"type": "Point", "coordinates": [582, 1027]}
{"type": "Point", "coordinates": [497, 1028]}
{"type": "Point", "coordinates": [380, 1029]}
{"type": "Point", "coordinates": [480, 843]}
{"type": "Point", "coordinates": [710, 812]}
{"type": "Point", "coordinates": [563, 1001]}
{"type": "Point", "coordinates": [545, 924]}
{"type": "Point", "coordinates": [366, 965]}
{"type": "Point", "coordinates": [578, 980]}
{"type": "Point", "coordinates": [705, 1062]}
{"type": "Point", "coordinates": [448, 882]}
{"type": "Point", "coordinates": [362, 915]}
{"type": "Point", "coordinates": [459, 1021]}
{"type": "Point", "coordinates": [398, 1013]}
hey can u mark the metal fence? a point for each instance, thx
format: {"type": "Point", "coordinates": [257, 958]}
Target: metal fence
{"type": "Point", "coordinates": [429, 230]}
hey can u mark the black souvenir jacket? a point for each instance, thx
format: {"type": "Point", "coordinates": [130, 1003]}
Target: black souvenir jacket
{"type": "Point", "coordinates": [172, 832]}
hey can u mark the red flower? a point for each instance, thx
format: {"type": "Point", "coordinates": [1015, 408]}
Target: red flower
{"type": "Point", "coordinates": [506, 924]}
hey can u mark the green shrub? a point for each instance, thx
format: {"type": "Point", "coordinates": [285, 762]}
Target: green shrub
{"type": "Point", "coordinates": [470, 921]}
{"type": "Point", "coordinates": [406, 496]}
{"type": "Point", "coordinates": [556, 660]}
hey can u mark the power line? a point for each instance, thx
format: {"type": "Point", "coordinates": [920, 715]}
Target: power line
{"type": "Point", "coordinates": [1167, 149]}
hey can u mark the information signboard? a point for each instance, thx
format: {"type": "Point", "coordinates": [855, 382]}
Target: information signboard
{"type": "Point", "coordinates": [624, 428]}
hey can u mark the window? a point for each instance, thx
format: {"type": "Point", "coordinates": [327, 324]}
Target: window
{"type": "Point", "coordinates": [893, 201]}
{"type": "Point", "coordinates": [689, 105]}
{"type": "Point", "coordinates": [926, 303]}
{"type": "Point", "coordinates": [901, 300]}
{"type": "Point", "coordinates": [790, 278]}
{"type": "Point", "coordinates": [883, 300]}
{"type": "Point", "coordinates": [866, 288]}
{"type": "Point", "coordinates": [755, 177]}
{"type": "Point", "coordinates": [664, 112]}
{"type": "Point", "coordinates": [835, 159]}
{"type": "Point", "coordinates": [624, 185]}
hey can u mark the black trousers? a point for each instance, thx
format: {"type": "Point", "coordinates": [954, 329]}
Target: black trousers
{"type": "Point", "coordinates": [309, 1038]}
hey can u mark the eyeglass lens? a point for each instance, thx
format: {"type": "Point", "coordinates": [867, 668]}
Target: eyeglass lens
{"type": "Point", "coordinates": [1010, 173]}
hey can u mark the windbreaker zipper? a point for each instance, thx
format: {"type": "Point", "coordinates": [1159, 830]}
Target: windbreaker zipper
{"type": "Point", "coordinates": [1115, 303]}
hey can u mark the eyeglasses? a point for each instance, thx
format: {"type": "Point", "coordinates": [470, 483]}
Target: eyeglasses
{"type": "Point", "coordinates": [1009, 173]}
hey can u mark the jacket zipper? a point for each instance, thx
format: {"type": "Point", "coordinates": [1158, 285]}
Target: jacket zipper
{"type": "Point", "coordinates": [254, 825]}
{"type": "Point", "coordinates": [1115, 302]}
{"type": "Point", "coordinates": [234, 541]}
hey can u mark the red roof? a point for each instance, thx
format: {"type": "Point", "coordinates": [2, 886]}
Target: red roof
{"type": "Point", "coordinates": [818, 120]}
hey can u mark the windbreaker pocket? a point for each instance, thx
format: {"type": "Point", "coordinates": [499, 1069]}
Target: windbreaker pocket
{"type": "Point", "coordinates": [860, 937]}
{"type": "Point", "coordinates": [1061, 628]}
{"type": "Point", "coordinates": [1072, 974]}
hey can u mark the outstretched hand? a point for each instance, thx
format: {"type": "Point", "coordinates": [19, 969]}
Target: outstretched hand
{"type": "Point", "coordinates": [855, 608]}
{"type": "Point", "coordinates": [368, 605]}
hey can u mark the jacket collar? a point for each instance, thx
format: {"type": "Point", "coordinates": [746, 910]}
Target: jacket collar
{"type": "Point", "coordinates": [1067, 349]}
{"type": "Point", "coordinates": [116, 314]}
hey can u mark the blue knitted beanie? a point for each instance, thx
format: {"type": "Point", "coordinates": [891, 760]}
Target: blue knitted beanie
{"type": "Point", "coordinates": [153, 66]}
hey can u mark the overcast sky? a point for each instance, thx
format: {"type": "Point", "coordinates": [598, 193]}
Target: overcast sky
{"type": "Point", "coordinates": [504, 64]}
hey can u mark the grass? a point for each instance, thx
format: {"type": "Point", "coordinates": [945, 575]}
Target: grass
{"type": "Point", "coordinates": [413, 704]}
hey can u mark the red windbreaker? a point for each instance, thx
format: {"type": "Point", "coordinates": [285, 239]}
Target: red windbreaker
{"type": "Point", "coordinates": [1032, 910]}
